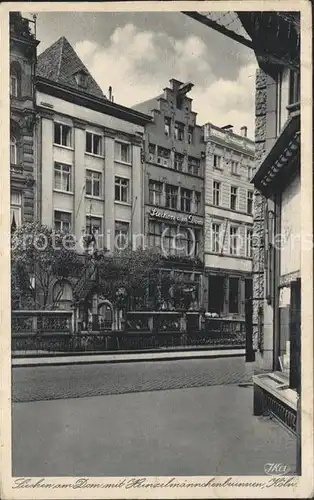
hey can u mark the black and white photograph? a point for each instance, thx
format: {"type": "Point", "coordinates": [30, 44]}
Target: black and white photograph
{"type": "Point", "coordinates": [156, 227]}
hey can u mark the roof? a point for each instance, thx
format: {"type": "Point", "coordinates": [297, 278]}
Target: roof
{"type": "Point", "coordinates": [60, 63]}
{"type": "Point", "coordinates": [146, 107]}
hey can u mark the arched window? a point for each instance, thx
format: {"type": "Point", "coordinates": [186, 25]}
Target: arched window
{"type": "Point", "coordinates": [15, 79]}
{"type": "Point", "coordinates": [63, 295]}
{"type": "Point", "coordinates": [13, 150]}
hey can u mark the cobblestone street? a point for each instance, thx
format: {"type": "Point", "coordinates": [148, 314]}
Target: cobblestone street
{"type": "Point", "coordinates": [45, 383]}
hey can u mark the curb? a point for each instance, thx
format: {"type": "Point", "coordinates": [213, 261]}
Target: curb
{"type": "Point", "coordinates": [82, 361]}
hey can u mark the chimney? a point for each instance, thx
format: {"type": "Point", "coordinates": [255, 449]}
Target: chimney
{"type": "Point", "coordinates": [243, 131]}
{"type": "Point", "coordinates": [110, 93]}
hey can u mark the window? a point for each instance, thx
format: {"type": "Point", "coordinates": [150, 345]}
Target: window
{"type": "Point", "coordinates": [216, 193]}
{"type": "Point", "coordinates": [93, 183]}
{"type": "Point", "coordinates": [62, 135]}
{"type": "Point", "coordinates": [179, 102]}
{"type": "Point", "coordinates": [235, 167]}
{"type": "Point", "coordinates": [171, 196]}
{"type": "Point", "coordinates": [249, 172]}
{"type": "Point", "coordinates": [197, 202]}
{"type": "Point", "coordinates": [155, 191]}
{"type": "Point", "coordinates": [194, 165]}
{"type": "Point", "coordinates": [179, 131]}
{"type": "Point", "coordinates": [62, 177]}
{"type": "Point", "coordinates": [249, 243]}
{"type": "Point", "coordinates": [217, 161]}
{"type": "Point", "coordinates": [154, 234]}
{"type": "Point", "coordinates": [15, 79]}
{"type": "Point", "coordinates": [234, 295]}
{"type": "Point", "coordinates": [16, 209]}
{"type": "Point", "coordinates": [62, 295]}
{"type": "Point", "coordinates": [178, 162]}
{"type": "Point", "coordinates": [294, 87]}
{"type": "Point", "coordinates": [216, 238]}
{"type": "Point", "coordinates": [151, 152]}
{"type": "Point", "coordinates": [93, 144]}
{"type": "Point", "coordinates": [122, 189]}
{"type": "Point", "coordinates": [250, 202]}
{"type": "Point", "coordinates": [168, 240]}
{"type": "Point", "coordinates": [167, 126]}
{"type": "Point", "coordinates": [13, 150]}
{"type": "Point", "coordinates": [163, 156]}
{"type": "Point", "coordinates": [93, 225]}
{"type": "Point", "coordinates": [13, 85]}
{"type": "Point", "coordinates": [123, 152]}
{"type": "Point", "coordinates": [81, 79]}
{"type": "Point", "coordinates": [216, 293]}
{"type": "Point", "coordinates": [233, 198]}
{"type": "Point", "coordinates": [121, 234]}
{"type": "Point", "coordinates": [233, 240]}
{"type": "Point", "coordinates": [62, 221]}
{"type": "Point", "coordinates": [186, 200]}
{"type": "Point", "coordinates": [190, 135]}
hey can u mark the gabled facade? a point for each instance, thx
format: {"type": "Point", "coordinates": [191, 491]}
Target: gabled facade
{"type": "Point", "coordinates": [22, 120]}
{"type": "Point", "coordinates": [174, 188]}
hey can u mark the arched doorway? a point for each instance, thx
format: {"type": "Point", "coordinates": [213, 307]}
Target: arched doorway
{"type": "Point", "coordinates": [105, 315]}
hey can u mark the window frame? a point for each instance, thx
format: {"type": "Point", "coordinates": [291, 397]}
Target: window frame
{"type": "Point", "coordinates": [61, 164]}
{"type": "Point", "coordinates": [249, 243]}
{"type": "Point", "coordinates": [234, 237]}
{"type": "Point", "coordinates": [167, 126]}
{"type": "Point", "coordinates": [249, 201]}
{"type": "Point", "coordinates": [13, 147]}
{"type": "Point", "coordinates": [16, 207]}
{"type": "Point", "coordinates": [216, 192]}
{"type": "Point", "coordinates": [186, 201]}
{"type": "Point", "coordinates": [154, 195]}
{"type": "Point", "coordinates": [62, 212]}
{"type": "Point", "coordinates": [215, 157]}
{"type": "Point", "coordinates": [93, 135]}
{"type": "Point", "coordinates": [234, 198]}
{"type": "Point", "coordinates": [119, 159]}
{"type": "Point", "coordinates": [236, 164]}
{"type": "Point", "coordinates": [63, 125]}
{"type": "Point", "coordinates": [174, 195]}
{"type": "Point", "coordinates": [92, 182]}
{"type": "Point", "coordinates": [216, 243]}
{"type": "Point", "coordinates": [121, 232]}
{"type": "Point", "coordinates": [91, 217]}
{"type": "Point", "coordinates": [179, 131]}
{"type": "Point", "coordinates": [118, 184]}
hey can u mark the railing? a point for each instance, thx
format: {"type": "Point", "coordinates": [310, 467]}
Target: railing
{"type": "Point", "coordinates": [41, 322]}
{"type": "Point", "coordinates": [51, 331]}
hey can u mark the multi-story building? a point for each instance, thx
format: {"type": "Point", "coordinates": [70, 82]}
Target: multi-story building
{"type": "Point", "coordinates": [228, 229]}
{"type": "Point", "coordinates": [22, 119]}
{"type": "Point", "coordinates": [277, 220]}
{"type": "Point", "coordinates": [174, 187]}
{"type": "Point", "coordinates": [89, 154]}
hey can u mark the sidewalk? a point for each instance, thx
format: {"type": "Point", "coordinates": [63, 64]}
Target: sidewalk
{"type": "Point", "coordinates": [96, 357]}
{"type": "Point", "coordinates": [192, 431]}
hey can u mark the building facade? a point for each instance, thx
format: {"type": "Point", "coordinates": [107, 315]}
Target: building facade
{"type": "Point", "coordinates": [89, 152]}
{"type": "Point", "coordinates": [228, 230]}
{"type": "Point", "coordinates": [89, 158]}
{"type": "Point", "coordinates": [174, 191]}
{"type": "Point", "coordinates": [22, 120]}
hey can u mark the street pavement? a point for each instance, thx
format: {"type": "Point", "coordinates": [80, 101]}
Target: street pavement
{"type": "Point", "coordinates": [191, 431]}
{"type": "Point", "coordinates": [55, 382]}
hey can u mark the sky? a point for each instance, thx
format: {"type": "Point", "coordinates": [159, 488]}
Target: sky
{"type": "Point", "coordinates": [137, 53]}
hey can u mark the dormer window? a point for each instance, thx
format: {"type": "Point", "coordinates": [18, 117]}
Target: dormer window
{"type": "Point", "coordinates": [81, 79]}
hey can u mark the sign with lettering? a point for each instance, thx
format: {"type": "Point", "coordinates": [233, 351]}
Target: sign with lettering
{"type": "Point", "coordinates": [179, 218]}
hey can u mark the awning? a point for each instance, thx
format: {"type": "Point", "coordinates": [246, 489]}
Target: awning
{"type": "Point", "coordinates": [282, 161]}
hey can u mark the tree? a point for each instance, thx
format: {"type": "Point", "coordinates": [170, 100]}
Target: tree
{"type": "Point", "coordinates": [124, 276]}
{"type": "Point", "coordinates": [39, 257]}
